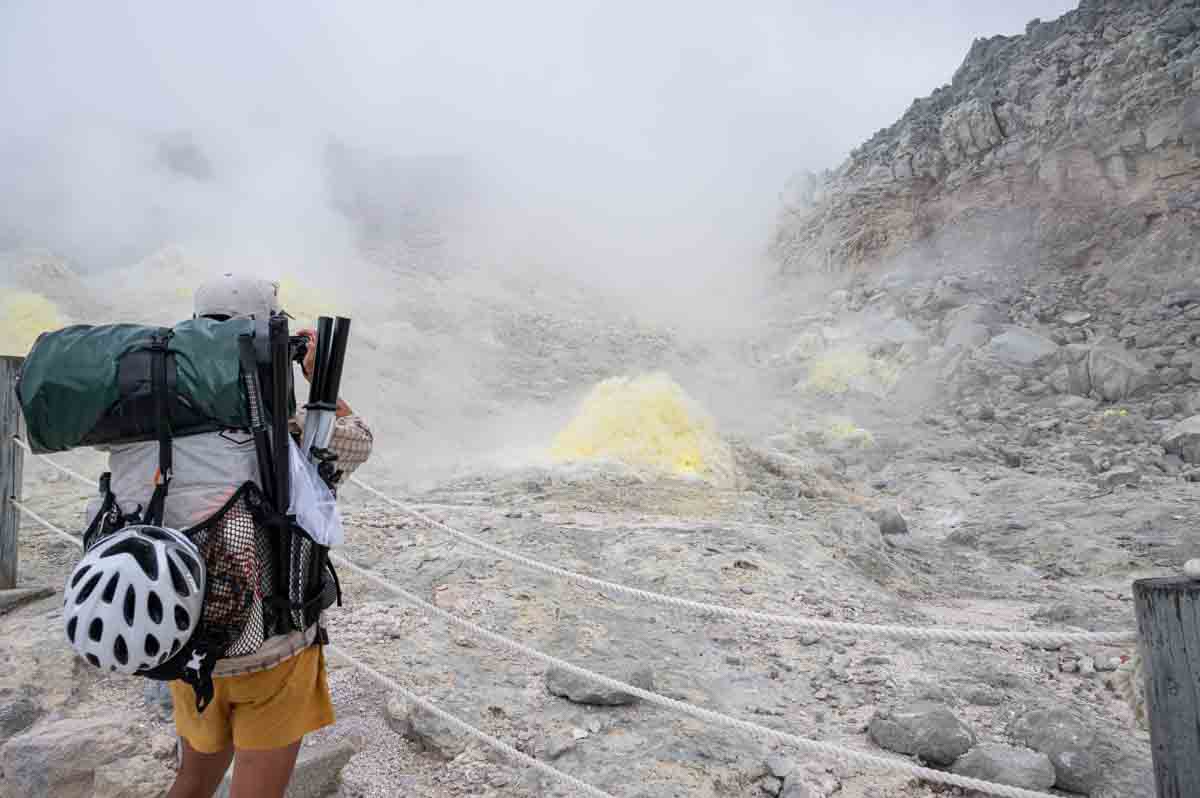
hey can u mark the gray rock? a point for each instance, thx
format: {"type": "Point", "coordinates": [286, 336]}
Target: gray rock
{"type": "Point", "coordinates": [901, 331]}
{"type": "Point", "coordinates": [318, 770]}
{"type": "Point", "coordinates": [12, 599]}
{"type": "Point", "coordinates": [984, 697]}
{"type": "Point", "coordinates": [771, 785]}
{"type": "Point", "coordinates": [890, 521]}
{"type": "Point", "coordinates": [795, 788]}
{"type": "Point", "coordinates": [925, 729]}
{"type": "Point", "coordinates": [1067, 741]}
{"type": "Point", "coordinates": [780, 766]}
{"type": "Point", "coordinates": [1183, 439]}
{"type": "Point", "coordinates": [1123, 475]}
{"type": "Point", "coordinates": [967, 336]}
{"type": "Point", "coordinates": [1162, 408]}
{"type": "Point", "coordinates": [1020, 347]}
{"type": "Point", "coordinates": [583, 691]}
{"type": "Point", "coordinates": [61, 758]}
{"type": "Point", "coordinates": [18, 711]}
{"type": "Point", "coordinates": [1117, 374]}
{"type": "Point", "coordinates": [1074, 317]}
{"type": "Point", "coordinates": [136, 777]}
{"type": "Point", "coordinates": [1016, 767]}
{"type": "Point", "coordinates": [422, 727]}
{"type": "Point", "coordinates": [1182, 296]}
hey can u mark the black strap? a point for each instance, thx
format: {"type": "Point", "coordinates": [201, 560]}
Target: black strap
{"type": "Point", "coordinates": [258, 421]}
{"type": "Point", "coordinates": [164, 398]}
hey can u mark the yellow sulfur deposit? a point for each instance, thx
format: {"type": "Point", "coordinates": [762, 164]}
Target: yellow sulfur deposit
{"type": "Point", "coordinates": [843, 429]}
{"type": "Point", "coordinates": [23, 317]}
{"type": "Point", "coordinates": [645, 421]}
{"type": "Point", "coordinates": [836, 372]}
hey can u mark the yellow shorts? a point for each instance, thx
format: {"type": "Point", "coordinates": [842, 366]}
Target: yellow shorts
{"type": "Point", "coordinates": [258, 711]}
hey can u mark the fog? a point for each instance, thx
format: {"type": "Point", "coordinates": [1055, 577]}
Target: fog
{"type": "Point", "coordinates": [642, 141]}
{"type": "Point", "coordinates": [637, 147]}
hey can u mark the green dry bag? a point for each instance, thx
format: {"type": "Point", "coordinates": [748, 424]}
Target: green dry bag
{"type": "Point", "coordinates": [86, 385]}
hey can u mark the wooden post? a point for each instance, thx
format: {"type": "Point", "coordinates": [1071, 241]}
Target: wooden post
{"type": "Point", "coordinates": [12, 461]}
{"type": "Point", "coordinates": [1168, 618]}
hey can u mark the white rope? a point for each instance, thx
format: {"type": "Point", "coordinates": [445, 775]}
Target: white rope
{"type": "Point", "coordinates": [802, 743]}
{"type": "Point", "coordinates": [703, 608]}
{"type": "Point", "coordinates": [64, 535]}
{"type": "Point", "coordinates": [499, 745]}
{"type": "Point", "coordinates": [889, 631]}
{"type": "Point", "coordinates": [53, 464]}
{"type": "Point", "coordinates": [462, 726]}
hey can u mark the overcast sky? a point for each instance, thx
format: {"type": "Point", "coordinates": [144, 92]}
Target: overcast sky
{"type": "Point", "coordinates": [666, 128]}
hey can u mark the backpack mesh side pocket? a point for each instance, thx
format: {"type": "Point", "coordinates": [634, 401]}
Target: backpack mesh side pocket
{"type": "Point", "coordinates": [240, 568]}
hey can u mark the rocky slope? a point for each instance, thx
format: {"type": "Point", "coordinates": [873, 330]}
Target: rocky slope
{"type": "Point", "coordinates": [1075, 146]}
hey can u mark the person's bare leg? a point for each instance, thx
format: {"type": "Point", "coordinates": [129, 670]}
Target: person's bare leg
{"type": "Point", "coordinates": [263, 774]}
{"type": "Point", "coordinates": [199, 774]}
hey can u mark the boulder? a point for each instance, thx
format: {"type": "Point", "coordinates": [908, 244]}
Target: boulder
{"type": "Point", "coordinates": [12, 599]}
{"type": "Point", "coordinates": [1117, 374]}
{"type": "Point", "coordinates": [1003, 764]}
{"type": "Point", "coordinates": [924, 728]}
{"type": "Point", "coordinates": [968, 336]}
{"type": "Point", "coordinates": [61, 758]}
{"type": "Point", "coordinates": [429, 731]}
{"type": "Point", "coordinates": [19, 709]}
{"type": "Point", "coordinates": [584, 691]}
{"type": "Point", "coordinates": [1020, 347]}
{"type": "Point", "coordinates": [1067, 741]}
{"type": "Point", "coordinates": [137, 777]}
{"type": "Point", "coordinates": [890, 521]}
{"type": "Point", "coordinates": [1183, 439]}
{"type": "Point", "coordinates": [318, 770]}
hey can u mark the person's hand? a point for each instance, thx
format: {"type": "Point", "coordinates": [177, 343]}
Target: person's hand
{"type": "Point", "coordinates": [310, 357]}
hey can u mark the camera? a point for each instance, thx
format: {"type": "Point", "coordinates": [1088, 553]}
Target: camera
{"type": "Point", "coordinates": [297, 348]}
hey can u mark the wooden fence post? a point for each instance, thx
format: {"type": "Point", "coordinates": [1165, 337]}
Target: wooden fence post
{"type": "Point", "coordinates": [1168, 618]}
{"type": "Point", "coordinates": [12, 461]}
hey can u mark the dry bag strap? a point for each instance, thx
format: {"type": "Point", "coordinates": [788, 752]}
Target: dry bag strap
{"type": "Point", "coordinates": [164, 396]}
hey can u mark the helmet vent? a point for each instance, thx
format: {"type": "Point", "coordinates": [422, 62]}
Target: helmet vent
{"type": "Point", "coordinates": [181, 586]}
{"type": "Point", "coordinates": [88, 588]}
{"type": "Point", "coordinates": [71, 624]}
{"type": "Point", "coordinates": [154, 607]}
{"type": "Point", "coordinates": [151, 646]}
{"type": "Point", "coordinates": [80, 574]}
{"type": "Point", "coordinates": [110, 590]}
{"type": "Point", "coordinates": [140, 550]}
{"type": "Point", "coordinates": [92, 658]}
{"type": "Point", "coordinates": [130, 604]}
{"type": "Point", "coordinates": [96, 630]}
{"type": "Point", "coordinates": [120, 651]}
{"type": "Point", "coordinates": [181, 618]}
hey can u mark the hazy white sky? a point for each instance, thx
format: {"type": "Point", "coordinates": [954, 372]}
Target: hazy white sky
{"type": "Point", "coordinates": [667, 128]}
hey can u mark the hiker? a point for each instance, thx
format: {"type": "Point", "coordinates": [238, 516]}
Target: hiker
{"type": "Point", "coordinates": [261, 704]}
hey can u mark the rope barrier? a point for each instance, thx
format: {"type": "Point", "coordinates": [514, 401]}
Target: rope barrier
{"type": "Point", "coordinates": [705, 609]}
{"type": "Point", "coordinates": [499, 745]}
{"type": "Point", "coordinates": [736, 613]}
{"type": "Point", "coordinates": [48, 461]}
{"type": "Point", "coordinates": [804, 744]}
{"type": "Point", "coordinates": [51, 527]}
{"type": "Point", "coordinates": [461, 725]}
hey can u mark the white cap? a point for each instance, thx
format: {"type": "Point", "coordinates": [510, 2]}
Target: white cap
{"type": "Point", "coordinates": [237, 296]}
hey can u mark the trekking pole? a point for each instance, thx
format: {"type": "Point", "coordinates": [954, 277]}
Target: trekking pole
{"type": "Point", "coordinates": [332, 337]}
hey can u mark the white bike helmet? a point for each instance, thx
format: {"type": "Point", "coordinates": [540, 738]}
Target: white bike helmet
{"type": "Point", "coordinates": [134, 599]}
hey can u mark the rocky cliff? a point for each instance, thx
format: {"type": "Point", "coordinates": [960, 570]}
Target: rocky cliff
{"type": "Point", "coordinates": [1075, 146]}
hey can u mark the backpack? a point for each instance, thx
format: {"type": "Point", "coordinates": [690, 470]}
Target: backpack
{"type": "Point", "coordinates": [265, 574]}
